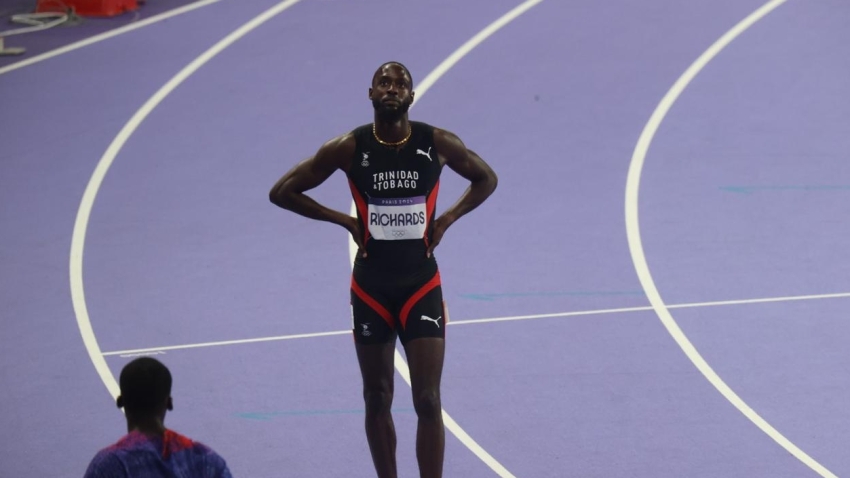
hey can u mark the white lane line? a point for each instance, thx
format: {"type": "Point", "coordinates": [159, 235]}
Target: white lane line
{"type": "Point", "coordinates": [579, 313]}
{"type": "Point", "coordinates": [841, 295]}
{"type": "Point", "coordinates": [636, 247]}
{"type": "Point", "coordinates": [107, 35]}
{"type": "Point", "coordinates": [423, 87]}
{"type": "Point", "coordinates": [838, 295]}
{"type": "Point", "coordinates": [228, 342]}
{"type": "Point", "coordinates": [84, 212]}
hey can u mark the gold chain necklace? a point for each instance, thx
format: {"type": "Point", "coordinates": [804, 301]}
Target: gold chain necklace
{"type": "Point", "coordinates": [375, 134]}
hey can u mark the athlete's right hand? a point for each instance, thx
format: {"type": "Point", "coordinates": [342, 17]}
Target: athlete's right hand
{"type": "Point", "coordinates": [356, 230]}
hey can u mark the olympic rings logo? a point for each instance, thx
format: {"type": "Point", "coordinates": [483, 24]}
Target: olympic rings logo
{"type": "Point", "coordinates": [398, 233]}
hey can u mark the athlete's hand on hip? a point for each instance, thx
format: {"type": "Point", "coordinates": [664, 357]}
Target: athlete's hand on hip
{"type": "Point", "coordinates": [354, 227]}
{"type": "Point", "coordinates": [440, 225]}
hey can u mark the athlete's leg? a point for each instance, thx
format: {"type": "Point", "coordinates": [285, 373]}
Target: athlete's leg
{"type": "Point", "coordinates": [374, 339]}
{"type": "Point", "coordinates": [376, 368]}
{"type": "Point", "coordinates": [423, 329]}
{"type": "Point", "coordinates": [425, 359]}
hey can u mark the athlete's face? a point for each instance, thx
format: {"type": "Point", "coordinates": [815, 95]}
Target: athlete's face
{"type": "Point", "coordinates": [391, 92]}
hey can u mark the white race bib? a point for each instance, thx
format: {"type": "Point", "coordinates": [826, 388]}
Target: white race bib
{"type": "Point", "coordinates": [393, 219]}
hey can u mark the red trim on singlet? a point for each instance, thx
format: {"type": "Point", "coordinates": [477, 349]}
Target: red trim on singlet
{"type": "Point", "coordinates": [173, 442]}
{"type": "Point", "coordinates": [430, 204]}
{"type": "Point", "coordinates": [371, 302]}
{"type": "Point", "coordinates": [361, 206]}
{"type": "Point", "coordinates": [419, 294]}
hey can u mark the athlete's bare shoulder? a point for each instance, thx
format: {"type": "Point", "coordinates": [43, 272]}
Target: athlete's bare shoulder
{"type": "Point", "coordinates": [442, 134]}
{"type": "Point", "coordinates": [449, 145]}
{"type": "Point", "coordinates": [336, 152]}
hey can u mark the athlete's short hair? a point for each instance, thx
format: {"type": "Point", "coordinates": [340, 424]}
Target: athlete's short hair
{"type": "Point", "coordinates": [145, 385]}
{"type": "Point", "coordinates": [378, 71]}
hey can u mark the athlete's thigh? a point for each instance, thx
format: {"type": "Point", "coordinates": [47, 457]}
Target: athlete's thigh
{"type": "Point", "coordinates": [425, 356]}
{"type": "Point", "coordinates": [423, 331]}
{"type": "Point", "coordinates": [377, 366]}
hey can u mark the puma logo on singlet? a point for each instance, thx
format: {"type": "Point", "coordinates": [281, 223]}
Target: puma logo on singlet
{"type": "Point", "coordinates": [429, 319]}
{"type": "Point", "coordinates": [423, 153]}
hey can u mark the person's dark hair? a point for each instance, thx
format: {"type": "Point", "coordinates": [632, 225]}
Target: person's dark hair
{"type": "Point", "coordinates": [378, 71]}
{"type": "Point", "coordinates": [145, 385]}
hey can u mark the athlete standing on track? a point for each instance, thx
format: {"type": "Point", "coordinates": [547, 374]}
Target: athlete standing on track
{"type": "Point", "coordinates": [393, 168]}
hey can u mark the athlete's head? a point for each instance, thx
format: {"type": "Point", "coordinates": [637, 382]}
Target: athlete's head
{"type": "Point", "coordinates": [392, 90]}
{"type": "Point", "coordinates": [145, 387]}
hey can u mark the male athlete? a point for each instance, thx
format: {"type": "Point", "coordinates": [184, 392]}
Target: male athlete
{"type": "Point", "coordinates": [393, 168]}
{"type": "Point", "coordinates": [149, 448]}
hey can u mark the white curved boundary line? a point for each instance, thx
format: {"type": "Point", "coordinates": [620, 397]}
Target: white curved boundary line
{"type": "Point", "coordinates": [84, 212]}
{"type": "Point", "coordinates": [423, 87]}
{"type": "Point", "coordinates": [636, 247]}
{"type": "Point", "coordinates": [106, 35]}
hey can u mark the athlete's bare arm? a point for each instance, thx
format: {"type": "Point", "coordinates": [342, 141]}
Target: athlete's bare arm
{"type": "Point", "coordinates": [470, 166]}
{"type": "Point", "coordinates": [288, 192]}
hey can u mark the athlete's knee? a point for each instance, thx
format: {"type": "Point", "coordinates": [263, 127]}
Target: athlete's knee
{"type": "Point", "coordinates": [427, 403]}
{"type": "Point", "coordinates": [378, 401]}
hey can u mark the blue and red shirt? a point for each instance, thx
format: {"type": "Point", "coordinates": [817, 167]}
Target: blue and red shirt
{"type": "Point", "coordinates": [171, 455]}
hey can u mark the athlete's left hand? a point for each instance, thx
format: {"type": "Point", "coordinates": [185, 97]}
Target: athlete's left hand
{"type": "Point", "coordinates": [440, 225]}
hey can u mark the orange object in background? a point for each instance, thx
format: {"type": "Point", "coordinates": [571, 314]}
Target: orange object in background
{"type": "Point", "coordinates": [88, 8]}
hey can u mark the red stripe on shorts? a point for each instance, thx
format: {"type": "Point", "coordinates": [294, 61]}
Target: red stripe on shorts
{"type": "Point", "coordinates": [371, 302]}
{"type": "Point", "coordinates": [419, 294]}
